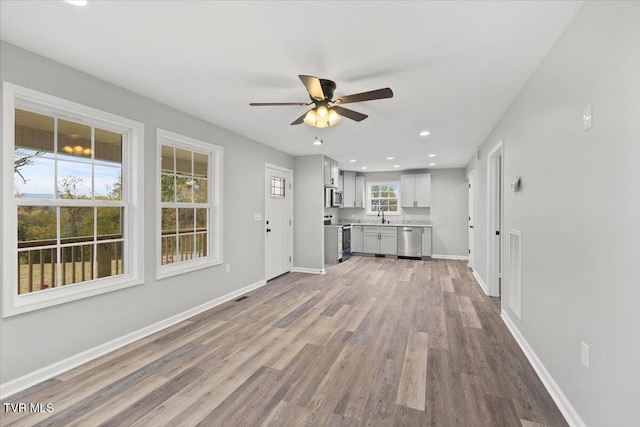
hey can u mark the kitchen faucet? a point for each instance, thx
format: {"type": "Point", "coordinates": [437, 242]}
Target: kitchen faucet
{"type": "Point", "coordinates": [382, 214]}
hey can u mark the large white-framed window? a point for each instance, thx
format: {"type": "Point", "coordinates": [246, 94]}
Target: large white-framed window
{"type": "Point", "coordinates": [383, 197]}
{"type": "Point", "coordinates": [72, 203]}
{"type": "Point", "coordinates": [189, 231]}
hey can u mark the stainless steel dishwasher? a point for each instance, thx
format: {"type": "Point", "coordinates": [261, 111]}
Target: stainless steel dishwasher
{"type": "Point", "coordinates": [410, 242]}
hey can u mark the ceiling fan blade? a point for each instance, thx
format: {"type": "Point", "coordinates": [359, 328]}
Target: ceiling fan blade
{"type": "Point", "coordinates": [365, 96]}
{"type": "Point", "coordinates": [266, 104]}
{"type": "Point", "coordinates": [314, 87]}
{"type": "Point", "coordinates": [350, 114]}
{"type": "Point", "coordinates": [300, 119]}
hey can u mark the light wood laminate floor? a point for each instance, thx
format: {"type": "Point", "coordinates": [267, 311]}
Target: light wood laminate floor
{"type": "Point", "coordinates": [375, 341]}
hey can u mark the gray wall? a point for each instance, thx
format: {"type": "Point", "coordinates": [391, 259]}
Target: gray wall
{"type": "Point", "coordinates": [308, 208]}
{"type": "Point", "coordinates": [579, 210]}
{"type": "Point", "coordinates": [448, 212]}
{"type": "Point", "coordinates": [37, 339]}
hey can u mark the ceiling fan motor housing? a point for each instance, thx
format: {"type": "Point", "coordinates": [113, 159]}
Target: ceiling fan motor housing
{"type": "Point", "coordinates": [328, 87]}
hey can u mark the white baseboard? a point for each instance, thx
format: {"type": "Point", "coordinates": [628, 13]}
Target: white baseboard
{"type": "Point", "coordinates": [459, 257]}
{"type": "Point", "coordinates": [308, 270]}
{"type": "Point", "coordinates": [569, 412]}
{"type": "Point", "coordinates": [14, 386]}
{"type": "Point", "coordinates": [481, 283]}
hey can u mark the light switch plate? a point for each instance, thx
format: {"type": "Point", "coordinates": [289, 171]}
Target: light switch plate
{"type": "Point", "coordinates": [585, 355]}
{"type": "Point", "coordinates": [257, 217]}
{"type": "Point", "coordinates": [587, 118]}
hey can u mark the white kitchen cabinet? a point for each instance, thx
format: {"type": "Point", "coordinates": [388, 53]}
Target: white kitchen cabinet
{"type": "Point", "coordinates": [356, 238]}
{"type": "Point", "coordinates": [331, 173]}
{"type": "Point", "coordinates": [341, 185]}
{"type": "Point", "coordinates": [388, 241]}
{"type": "Point", "coordinates": [370, 240]}
{"type": "Point", "coordinates": [426, 241]}
{"type": "Point", "coordinates": [415, 190]}
{"type": "Point", "coordinates": [380, 240]}
{"type": "Point", "coordinates": [349, 191]}
{"type": "Point", "coordinates": [360, 192]}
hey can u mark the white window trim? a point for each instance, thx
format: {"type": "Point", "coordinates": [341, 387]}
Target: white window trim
{"type": "Point", "coordinates": [216, 155]}
{"type": "Point", "coordinates": [133, 193]}
{"type": "Point", "coordinates": [368, 199]}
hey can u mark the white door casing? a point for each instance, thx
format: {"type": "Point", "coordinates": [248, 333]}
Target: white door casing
{"type": "Point", "coordinates": [495, 214]}
{"type": "Point", "coordinates": [278, 221]}
{"type": "Point", "coordinates": [471, 217]}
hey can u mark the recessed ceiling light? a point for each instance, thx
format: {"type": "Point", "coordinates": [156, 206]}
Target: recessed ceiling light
{"type": "Point", "coordinates": [396, 166]}
{"type": "Point", "coordinates": [389, 158]}
{"type": "Point", "coordinates": [432, 164]}
{"type": "Point", "coordinates": [432, 155]}
{"type": "Point", "coordinates": [77, 2]}
{"type": "Point", "coordinates": [352, 161]}
{"type": "Point", "coordinates": [425, 133]}
{"type": "Point", "coordinates": [364, 167]}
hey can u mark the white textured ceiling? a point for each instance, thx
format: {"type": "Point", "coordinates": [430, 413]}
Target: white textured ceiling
{"type": "Point", "coordinates": [454, 67]}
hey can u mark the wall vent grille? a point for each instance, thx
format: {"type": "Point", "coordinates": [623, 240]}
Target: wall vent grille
{"type": "Point", "coordinates": [515, 272]}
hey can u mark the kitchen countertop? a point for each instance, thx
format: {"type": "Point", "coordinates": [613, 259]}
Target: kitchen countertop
{"type": "Point", "coordinates": [377, 224]}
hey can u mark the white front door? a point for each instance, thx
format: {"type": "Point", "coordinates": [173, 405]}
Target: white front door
{"type": "Point", "coordinates": [277, 221]}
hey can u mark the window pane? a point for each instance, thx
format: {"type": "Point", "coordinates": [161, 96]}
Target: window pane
{"type": "Point", "coordinates": [201, 219]}
{"type": "Point", "coordinates": [278, 187]}
{"type": "Point", "coordinates": [108, 182]}
{"type": "Point", "coordinates": [109, 223]}
{"type": "Point", "coordinates": [185, 247]}
{"type": "Point", "coordinates": [183, 162]}
{"type": "Point", "coordinates": [33, 175]}
{"type": "Point", "coordinates": [74, 180]}
{"type": "Point", "coordinates": [74, 141]}
{"type": "Point", "coordinates": [169, 221]}
{"type": "Point", "coordinates": [34, 132]}
{"type": "Point", "coordinates": [167, 188]}
{"type": "Point", "coordinates": [76, 223]}
{"type": "Point", "coordinates": [201, 245]}
{"type": "Point", "coordinates": [77, 264]}
{"type": "Point", "coordinates": [200, 191]}
{"type": "Point", "coordinates": [37, 223]}
{"type": "Point", "coordinates": [36, 270]}
{"type": "Point", "coordinates": [185, 220]}
{"type": "Point", "coordinates": [167, 161]}
{"type": "Point", "coordinates": [169, 250]}
{"type": "Point", "coordinates": [375, 205]}
{"type": "Point", "coordinates": [109, 259]}
{"type": "Point", "coordinates": [184, 186]}
{"type": "Point", "coordinates": [200, 165]}
{"type": "Point", "coordinates": [108, 147]}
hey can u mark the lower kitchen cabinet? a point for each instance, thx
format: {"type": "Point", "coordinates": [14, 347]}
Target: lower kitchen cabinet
{"type": "Point", "coordinates": [356, 238]}
{"type": "Point", "coordinates": [380, 240]}
{"type": "Point", "coordinates": [426, 241]}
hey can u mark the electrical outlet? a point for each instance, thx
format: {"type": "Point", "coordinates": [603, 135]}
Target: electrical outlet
{"type": "Point", "coordinates": [587, 117]}
{"type": "Point", "coordinates": [227, 268]}
{"type": "Point", "coordinates": [585, 355]}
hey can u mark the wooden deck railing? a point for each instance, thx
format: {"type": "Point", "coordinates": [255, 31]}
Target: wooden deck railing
{"type": "Point", "coordinates": [38, 267]}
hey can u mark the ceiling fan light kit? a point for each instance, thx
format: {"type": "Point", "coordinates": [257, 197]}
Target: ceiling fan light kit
{"type": "Point", "coordinates": [326, 113]}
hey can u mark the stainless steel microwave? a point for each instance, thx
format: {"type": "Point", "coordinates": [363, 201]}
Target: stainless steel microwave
{"type": "Point", "coordinates": [333, 198]}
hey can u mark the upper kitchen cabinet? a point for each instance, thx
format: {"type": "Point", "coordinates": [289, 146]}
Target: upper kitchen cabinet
{"type": "Point", "coordinates": [415, 190]}
{"type": "Point", "coordinates": [360, 191]}
{"type": "Point", "coordinates": [331, 172]}
{"type": "Point", "coordinates": [353, 190]}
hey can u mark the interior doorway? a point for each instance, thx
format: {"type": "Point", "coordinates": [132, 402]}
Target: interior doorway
{"type": "Point", "coordinates": [278, 220]}
{"type": "Point", "coordinates": [495, 215]}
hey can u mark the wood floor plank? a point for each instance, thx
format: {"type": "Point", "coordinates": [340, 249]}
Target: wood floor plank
{"type": "Point", "coordinates": [375, 342]}
{"type": "Point", "coordinates": [413, 379]}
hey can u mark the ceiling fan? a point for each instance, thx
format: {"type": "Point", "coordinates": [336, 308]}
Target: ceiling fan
{"type": "Point", "coordinates": [328, 111]}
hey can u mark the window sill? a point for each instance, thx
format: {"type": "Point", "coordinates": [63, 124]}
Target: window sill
{"type": "Point", "coordinates": [51, 297]}
{"type": "Point", "coordinates": [166, 271]}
